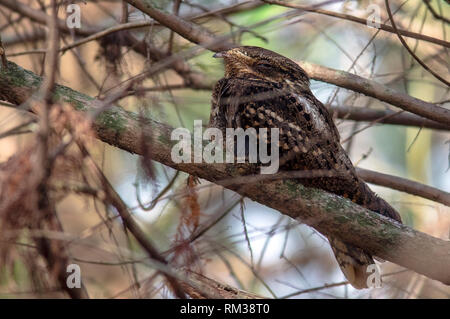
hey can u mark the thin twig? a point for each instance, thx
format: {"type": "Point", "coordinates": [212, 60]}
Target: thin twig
{"type": "Point", "coordinates": [349, 17]}
{"type": "Point", "coordinates": [434, 13]}
{"type": "Point", "coordinates": [437, 76]}
{"type": "Point", "coordinates": [131, 225]}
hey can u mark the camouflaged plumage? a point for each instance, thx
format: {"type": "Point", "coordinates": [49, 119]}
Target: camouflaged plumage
{"type": "Point", "coordinates": [262, 89]}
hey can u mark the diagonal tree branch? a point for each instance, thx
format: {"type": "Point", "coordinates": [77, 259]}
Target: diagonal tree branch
{"type": "Point", "coordinates": [365, 114]}
{"type": "Point", "coordinates": [191, 31]}
{"type": "Point", "coordinates": [377, 90]}
{"type": "Point", "coordinates": [404, 185]}
{"type": "Point", "coordinates": [328, 213]}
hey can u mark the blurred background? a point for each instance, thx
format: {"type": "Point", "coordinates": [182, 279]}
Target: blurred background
{"type": "Point", "coordinates": [245, 245]}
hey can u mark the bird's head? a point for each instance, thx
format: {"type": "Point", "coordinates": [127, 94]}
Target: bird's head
{"type": "Point", "coordinates": [248, 61]}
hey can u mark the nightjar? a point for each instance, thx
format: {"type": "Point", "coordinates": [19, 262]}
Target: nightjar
{"type": "Point", "coordinates": [262, 89]}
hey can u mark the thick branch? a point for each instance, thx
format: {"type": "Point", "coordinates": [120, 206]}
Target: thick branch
{"type": "Point", "coordinates": [329, 214]}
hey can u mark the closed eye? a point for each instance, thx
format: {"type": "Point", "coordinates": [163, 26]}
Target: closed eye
{"type": "Point", "coordinates": [264, 65]}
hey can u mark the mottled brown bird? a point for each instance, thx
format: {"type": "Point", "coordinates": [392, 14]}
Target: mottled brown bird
{"type": "Point", "coordinates": [262, 89]}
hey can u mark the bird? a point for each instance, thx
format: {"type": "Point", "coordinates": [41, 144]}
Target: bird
{"type": "Point", "coordinates": [263, 89]}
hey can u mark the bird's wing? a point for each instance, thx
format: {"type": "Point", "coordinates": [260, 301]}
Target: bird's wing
{"type": "Point", "coordinates": [305, 124]}
{"type": "Point", "coordinates": [308, 140]}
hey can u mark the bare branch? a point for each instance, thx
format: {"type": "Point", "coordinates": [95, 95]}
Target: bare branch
{"type": "Point", "coordinates": [379, 91]}
{"type": "Point", "coordinates": [385, 116]}
{"type": "Point", "coordinates": [404, 185]}
{"type": "Point", "coordinates": [186, 29]}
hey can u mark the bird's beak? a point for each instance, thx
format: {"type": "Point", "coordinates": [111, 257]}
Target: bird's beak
{"type": "Point", "coordinates": [220, 55]}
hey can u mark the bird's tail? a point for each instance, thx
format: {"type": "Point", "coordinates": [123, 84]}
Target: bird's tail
{"type": "Point", "coordinates": [365, 197]}
{"type": "Point", "coordinates": [352, 260]}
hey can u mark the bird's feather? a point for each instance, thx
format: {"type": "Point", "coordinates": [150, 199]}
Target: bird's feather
{"type": "Point", "coordinates": [253, 97]}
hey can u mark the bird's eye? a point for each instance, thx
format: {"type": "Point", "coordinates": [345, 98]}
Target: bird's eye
{"type": "Point", "coordinates": [264, 65]}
